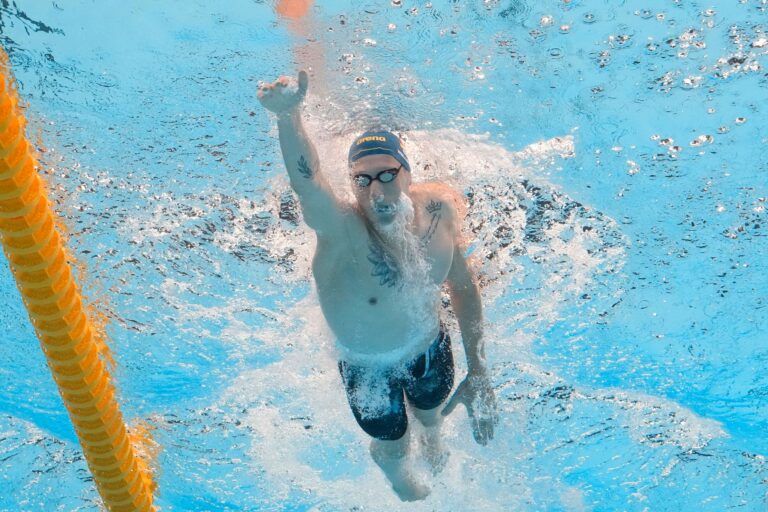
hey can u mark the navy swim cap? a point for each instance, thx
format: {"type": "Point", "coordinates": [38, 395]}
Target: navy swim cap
{"type": "Point", "coordinates": [378, 143]}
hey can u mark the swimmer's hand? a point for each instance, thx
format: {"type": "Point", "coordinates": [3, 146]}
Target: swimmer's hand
{"type": "Point", "coordinates": [280, 98]}
{"type": "Point", "coordinates": [476, 393]}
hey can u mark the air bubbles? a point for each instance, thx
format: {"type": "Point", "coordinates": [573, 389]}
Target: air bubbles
{"type": "Point", "coordinates": [740, 120]}
{"type": "Point", "coordinates": [413, 11]}
{"type": "Point", "coordinates": [709, 13]}
{"type": "Point", "coordinates": [555, 53]}
{"type": "Point", "coordinates": [478, 74]}
{"type": "Point", "coordinates": [536, 34]}
{"type": "Point", "coordinates": [546, 20]}
{"type": "Point", "coordinates": [759, 43]}
{"type": "Point", "coordinates": [589, 18]}
{"type": "Point", "coordinates": [691, 82]}
{"type": "Point", "coordinates": [369, 42]}
{"type": "Point", "coordinates": [723, 129]}
{"type": "Point", "coordinates": [347, 58]}
{"type": "Point", "coordinates": [666, 81]}
{"type": "Point", "coordinates": [668, 141]}
{"type": "Point", "coordinates": [565, 28]}
{"type": "Point", "coordinates": [391, 27]}
{"type": "Point", "coordinates": [661, 16]}
{"type": "Point", "coordinates": [689, 35]}
{"type": "Point", "coordinates": [655, 137]}
{"type": "Point", "coordinates": [633, 168]}
{"type": "Point", "coordinates": [711, 110]}
{"type": "Point", "coordinates": [623, 39]}
{"type": "Point", "coordinates": [397, 3]}
{"type": "Point", "coordinates": [651, 47]}
{"type": "Point", "coordinates": [603, 58]}
{"type": "Point", "coordinates": [702, 140]}
{"type": "Point", "coordinates": [644, 13]}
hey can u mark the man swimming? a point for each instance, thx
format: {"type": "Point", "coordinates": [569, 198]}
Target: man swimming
{"type": "Point", "coordinates": [379, 266]}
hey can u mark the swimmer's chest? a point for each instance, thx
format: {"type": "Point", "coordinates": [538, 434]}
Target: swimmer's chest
{"type": "Point", "coordinates": [364, 273]}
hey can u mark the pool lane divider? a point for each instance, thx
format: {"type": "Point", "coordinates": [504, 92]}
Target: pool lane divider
{"type": "Point", "coordinates": [39, 263]}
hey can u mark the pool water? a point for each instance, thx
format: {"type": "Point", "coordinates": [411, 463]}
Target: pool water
{"type": "Point", "coordinates": [613, 155]}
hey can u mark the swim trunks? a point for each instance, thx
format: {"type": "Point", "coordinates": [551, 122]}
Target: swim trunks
{"type": "Point", "coordinates": [376, 394]}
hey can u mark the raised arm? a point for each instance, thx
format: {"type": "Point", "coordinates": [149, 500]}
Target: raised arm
{"type": "Point", "coordinates": [322, 211]}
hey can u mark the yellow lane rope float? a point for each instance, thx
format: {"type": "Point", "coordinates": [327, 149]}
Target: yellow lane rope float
{"type": "Point", "coordinates": [43, 275]}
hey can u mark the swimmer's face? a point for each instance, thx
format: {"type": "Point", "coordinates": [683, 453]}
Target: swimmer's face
{"type": "Point", "coordinates": [380, 202]}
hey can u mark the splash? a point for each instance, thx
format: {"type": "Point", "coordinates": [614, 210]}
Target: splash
{"type": "Point", "coordinates": [536, 250]}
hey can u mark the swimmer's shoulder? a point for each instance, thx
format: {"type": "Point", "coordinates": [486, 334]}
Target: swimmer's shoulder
{"type": "Point", "coordinates": [438, 196]}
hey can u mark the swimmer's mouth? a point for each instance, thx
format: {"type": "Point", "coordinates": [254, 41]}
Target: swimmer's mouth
{"type": "Point", "coordinates": [384, 209]}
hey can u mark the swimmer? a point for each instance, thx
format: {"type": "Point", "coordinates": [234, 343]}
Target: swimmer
{"type": "Point", "coordinates": [379, 266]}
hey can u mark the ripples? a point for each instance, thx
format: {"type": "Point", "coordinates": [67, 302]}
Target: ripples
{"type": "Point", "coordinates": [518, 10]}
{"type": "Point", "coordinates": [203, 247]}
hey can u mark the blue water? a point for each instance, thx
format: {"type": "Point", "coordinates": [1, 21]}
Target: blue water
{"type": "Point", "coordinates": [623, 264]}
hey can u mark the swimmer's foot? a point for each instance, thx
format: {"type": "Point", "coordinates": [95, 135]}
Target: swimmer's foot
{"type": "Point", "coordinates": [408, 488]}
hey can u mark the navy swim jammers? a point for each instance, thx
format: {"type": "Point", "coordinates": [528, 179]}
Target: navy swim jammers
{"type": "Point", "coordinates": [376, 394]}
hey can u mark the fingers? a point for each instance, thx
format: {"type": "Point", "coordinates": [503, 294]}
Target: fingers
{"type": "Point", "coordinates": [483, 426]}
{"type": "Point", "coordinates": [285, 81]}
{"type": "Point", "coordinates": [484, 420]}
{"type": "Point", "coordinates": [481, 407]}
{"type": "Point", "coordinates": [482, 430]}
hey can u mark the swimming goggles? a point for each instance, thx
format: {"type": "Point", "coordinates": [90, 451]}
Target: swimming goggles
{"type": "Point", "coordinates": [385, 176]}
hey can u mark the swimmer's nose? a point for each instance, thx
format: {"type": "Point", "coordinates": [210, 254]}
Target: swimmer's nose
{"type": "Point", "coordinates": [376, 190]}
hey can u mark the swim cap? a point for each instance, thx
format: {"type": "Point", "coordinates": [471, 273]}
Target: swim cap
{"type": "Point", "coordinates": [378, 143]}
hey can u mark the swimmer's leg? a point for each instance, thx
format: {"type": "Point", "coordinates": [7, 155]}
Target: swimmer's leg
{"type": "Point", "coordinates": [378, 404]}
{"type": "Point", "coordinates": [392, 457]}
{"type": "Point", "coordinates": [427, 390]}
{"type": "Point", "coordinates": [432, 447]}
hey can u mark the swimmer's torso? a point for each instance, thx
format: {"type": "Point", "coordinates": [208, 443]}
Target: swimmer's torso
{"type": "Point", "coordinates": [371, 301]}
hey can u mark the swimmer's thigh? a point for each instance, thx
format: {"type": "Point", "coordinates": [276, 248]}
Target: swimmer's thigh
{"type": "Point", "coordinates": [427, 391]}
{"type": "Point", "coordinates": [377, 402]}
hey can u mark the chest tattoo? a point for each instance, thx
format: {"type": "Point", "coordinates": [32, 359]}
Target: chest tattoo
{"type": "Point", "coordinates": [304, 168]}
{"type": "Point", "coordinates": [384, 266]}
{"type": "Point", "coordinates": [435, 209]}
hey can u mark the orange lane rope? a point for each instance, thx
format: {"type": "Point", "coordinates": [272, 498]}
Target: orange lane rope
{"type": "Point", "coordinates": [43, 275]}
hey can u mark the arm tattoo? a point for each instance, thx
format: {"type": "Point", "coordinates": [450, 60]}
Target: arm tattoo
{"type": "Point", "coordinates": [384, 266]}
{"type": "Point", "coordinates": [304, 168]}
{"type": "Point", "coordinates": [435, 209]}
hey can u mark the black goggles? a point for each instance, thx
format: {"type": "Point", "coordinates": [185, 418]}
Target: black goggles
{"type": "Point", "coordinates": [385, 176]}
